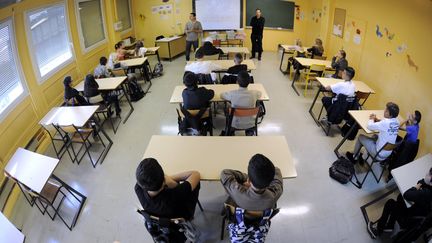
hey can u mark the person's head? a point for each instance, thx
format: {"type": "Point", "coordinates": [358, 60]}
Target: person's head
{"type": "Point", "coordinates": [391, 111]}
{"type": "Point", "coordinates": [103, 61]}
{"type": "Point", "coordinates": [209, 40]}
{"type": "Point", "coordinates": [318, 42]}
{"type": "Point", "coordinates": [414, 118]}
{"type": "Point", "coordinates": [190, 79]}
{"type": "Point", "coordinates": [149, 175]}
{"type": "Point", "coordinates": [298, 42]}
{"type": "Point", "coordinates": [428, 177]}
{"type": "Point", "coordinates": [348, 73]}
{"type": "Point", "coordinates": [138, 45]}
{"type": "Point", "coordinates": [258, 13]}
{"type": "Point", "coordinates": [238, 58]}
{"type": "Point", "coordinates": [119, 45]}
{"type": "Point", "coordinates": [261, 171]}
{"type": "Point", "coordinates": [199, 55]}
{"type": "Point", "coordinates": [67, 81]}
{"type": "Point", "coordinates": [243, 79]}
{"type": "Point", "coordinates": [90, 78]}
{"type": "Point", "coordinates": [192, 16]}
{"type": "Point", "coordinates": [341, 54]}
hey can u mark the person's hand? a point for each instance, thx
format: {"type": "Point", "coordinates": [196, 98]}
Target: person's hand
{"type": "Point", "coordinates": [247, 184]}
{"type": "Point", "coordinates": [418, 186]}
{"type": "Point", "coordinates": [372, 116]}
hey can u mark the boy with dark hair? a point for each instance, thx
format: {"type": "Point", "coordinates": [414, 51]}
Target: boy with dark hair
{"type": "Point", "coordinates": [70, 92]}
{"type": "Point", "coordinates": [161, 195]}
{"type": "Point", "coordinates": [238, 59]}
{"type": "Point", "coordinates": [194, 97]}
{"type": "Point", "coordinates": [201, 66]}
{"type": "Point", "coordinates": [243, 98]}
{"type": "Point", "coordinates": [208, 49]}
{"type": "Point", "coordinates": [388, 131]}
{"type": "Point", "coordinates": [101, 71]}
{"type": "Point", "coordinates": [411, 126]}
{"type": "Point", "coordinates": [259, 189]}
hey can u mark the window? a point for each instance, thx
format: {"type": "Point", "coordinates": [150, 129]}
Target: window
{"type": "Point", "coordinates": [12, 88]}
{"type": "Point", "coordinates": [123, 12]}
{"type": "Point", "coordinates": [49, 40]}
{"type": "Point", "coordinates": [91, 19]}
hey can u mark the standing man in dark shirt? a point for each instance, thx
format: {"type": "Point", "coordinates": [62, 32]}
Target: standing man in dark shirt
{"type": "Point", "coordinates": [257, 23]}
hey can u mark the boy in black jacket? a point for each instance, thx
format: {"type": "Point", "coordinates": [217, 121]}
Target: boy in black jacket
{"type": "Point", "coordinates": [194, 97]}
{"type": "Point", "coordinates": [420, 196]}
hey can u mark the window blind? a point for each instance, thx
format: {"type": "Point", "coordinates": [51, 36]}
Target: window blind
{"type": "Point", "coordinates": [92, 24]}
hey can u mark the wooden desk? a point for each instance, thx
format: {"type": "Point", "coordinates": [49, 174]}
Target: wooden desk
{"type": "Point", "coordinates": [153, 51]}
{"type": "Point", "coordinates": [177, 98]}
{"type": "Point", "coordinates": [210, 155]}
{"type": "Point", "coordinates": [226, 64]}
{"type": "Point", "coordinates": [362, 118]}
{"type": "Point", "coordinates": [104, 83]}
{"type": "Point", "coordinates": [68, 115]}
{"type": "Point", "coordinates": [171, 46]}
{"type": "Point", "coordinates": [324, 82]}
{"type": "Point", "coordinates": [289, 49]}
{"type": "Point", "coordinates": [134, 62]}
{"type": "Point", "coordinates": [33, 170]}
{"type": "Point", "coordinates": [8, 232]}
{"type": "Point", "coordinates": [308, 62]}
{"type": "Point", "coordinates": [408, 175]}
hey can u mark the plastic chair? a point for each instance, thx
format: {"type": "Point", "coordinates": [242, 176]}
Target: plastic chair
{"type": "Point", "coordinates": [242, 112]}
{"type": "Point", "coordinates": [362, 97]}
{"type": "Point", "coordinates": [311, 74]}
{"type": "Point", "coordinates": [211, 57]}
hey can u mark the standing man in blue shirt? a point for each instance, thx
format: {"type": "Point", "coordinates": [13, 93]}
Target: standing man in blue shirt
{"type": "Point", "coordinates": [257, 22]}
{"type": "Point", "coordinates": [193, 29]}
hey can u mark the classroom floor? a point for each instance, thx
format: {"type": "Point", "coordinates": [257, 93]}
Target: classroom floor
{"type": "Point", "coordinates": [314, 208]}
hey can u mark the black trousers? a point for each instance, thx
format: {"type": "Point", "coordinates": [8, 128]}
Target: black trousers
{"type": "Point", "coordinates": [327, 102]}
{"type": "Point", "coordinates": [192, 202]}
{"type": "Point", "coordinates": [189, 44]}
{"type": "Point", "coordinates": [256, 45]}
{"type": "Point", "coordinates": [394, 211]}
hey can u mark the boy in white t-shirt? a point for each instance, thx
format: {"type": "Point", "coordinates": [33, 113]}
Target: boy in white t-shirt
{"type": "Point", "coordinates": [388, 131]}
{"type": "Point", "coordinates": [347, 87]}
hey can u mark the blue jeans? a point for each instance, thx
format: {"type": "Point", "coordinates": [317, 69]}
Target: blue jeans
{"type": "Point", "coordinates": [189, 44]}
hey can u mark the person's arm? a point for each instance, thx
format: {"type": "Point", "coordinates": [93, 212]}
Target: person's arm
{"type": "Point", "coordinates": [193, 177]}
{"type": "Point", "coordinates": [209, 94]}
{"type": "Point", "coordinates": [310, 49]}
{"type": "Point", "coordinates": [186, 30]}
{"type": "Point", "coordinates": [199, 29]}
{"type": "Point", "coordinates": [170, 182]}
{"type": "Point", "coordinates": [335, 88]}
{"type": "Point", "coordinates": [375, 126]}
{"type": "Point", "coordinates": [140, 194]}
{"type": "Point", "coordinates": [403, 126]}
{"type": "Point", "coordinates": [251, 22]}
{"type": "Point", "coordinates": [334, 63]}
{"type": "Point", "coordinates": [232, 180]}
{"type": "Point", "coordinates": [263, 23]}
{"type": "Point", "coordinates": [415, 194]}
{"type": "Point", "coordinates": [276, 186]}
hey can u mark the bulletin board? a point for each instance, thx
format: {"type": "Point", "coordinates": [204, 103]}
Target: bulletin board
{"type": "Point", "coordinates": [339, 22]}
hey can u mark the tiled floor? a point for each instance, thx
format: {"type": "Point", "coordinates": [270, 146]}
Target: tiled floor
{"type": "Point", "coordinates": [314, 208]}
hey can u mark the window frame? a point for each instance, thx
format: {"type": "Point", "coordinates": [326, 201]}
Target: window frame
{"type": "Point", "coordinates": [80, 31]}
{"type": "Point", "coordinates": [41, 79]}
{"type": "Point", "coordinates": [11, 23]}
{"type": "Point", "coordinates": [123, 32]}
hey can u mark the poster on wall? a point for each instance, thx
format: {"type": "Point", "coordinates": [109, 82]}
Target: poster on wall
{"type": "Point", "coordinates": [339, 22]}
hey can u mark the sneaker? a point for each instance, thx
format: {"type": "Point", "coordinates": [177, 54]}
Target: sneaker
{"type": "Point", "coordinates": [372, 229]}
{"type": "Point", "coordinates": [259, 58]}
{"type": "Point", "coordinates": [350, 157]}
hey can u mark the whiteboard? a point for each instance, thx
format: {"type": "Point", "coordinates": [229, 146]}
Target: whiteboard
{"type": "Point", "coordinates": [219, 14]}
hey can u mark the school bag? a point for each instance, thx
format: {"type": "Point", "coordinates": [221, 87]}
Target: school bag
{"type": "Point", "coordinates": [135, 91]}
{"type": "Point", "coordinates": [342, 170]}
{"type": "Point", "coordinates": [158, 70]}
{"type": "Point", "coordinates": [241, 232]}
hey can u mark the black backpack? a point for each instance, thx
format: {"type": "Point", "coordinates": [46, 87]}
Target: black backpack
{"type": "Point", "coordinates": [135, 91]}
{"type": "Point", "coordinates": [342, 170]}
{"type": "Point", "coordinates": [158, 70]}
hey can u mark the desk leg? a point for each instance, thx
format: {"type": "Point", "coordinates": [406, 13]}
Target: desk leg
{"type": "Point", "coordinates": [343, 140]}
{"type": "Point", "coordinates": [150, 76]}
{"type": "Point", "coordinates": [169, 52]}
{"type": "Point", "coordinates": [128, 100]}
{"type": "Point", "coordinates": [293, 86]}
{"type": "Point", "coordinates": [281, 61]}
{"type": "Point", "coordinates": [74, 193]}
{"type": "Point", "coordinates": [313, 104]}
{"type": "Point", "coordinates": [363, 208]}
{"type": "Point", "coordinates": [110, 142]}
{"type": "Point", "coordinates": [158, 57]}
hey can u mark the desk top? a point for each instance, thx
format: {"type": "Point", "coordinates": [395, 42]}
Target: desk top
{"type": "Point", "coordinates": [294, 48]}
{"type": "Point", "coordinates": [168, 39]}
{"type": "Point", "coordinates": [233, 49]}
{"type": "Point", "coordinates": [8, 232]}
{"type": "Point", "coordinates": [407, 176]}
{"type": "Point", "coordinates": [362, 117]}
{"type": "Point", "coordinates": [133, 62]}
{"type": "Point", "coordinates": [31, 169]}
{"type": "Point", "coordinates": [152, 49]}
{"type": "Point", "coordinates": [68, 115]}
{"type": "Point", "coordinates": [176, 96]}
{"type": "Point", "coordinates": [360, 86]}
{"type": "Point", "coordinates": [308, 62]}
{"type": "Point", "coordinates": [210, 155]}
{"type": "Point", "coordinates": [225, 64]}
{"type": "Point", "coordinates": [104, 83]}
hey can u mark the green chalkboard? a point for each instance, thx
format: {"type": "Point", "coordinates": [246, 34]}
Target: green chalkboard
{"type": "Point", "coordinates": [277, 13]}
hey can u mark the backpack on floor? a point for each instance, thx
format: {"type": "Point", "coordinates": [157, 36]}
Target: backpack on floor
{"type": "Point", "coordinates": [158, 70]}
{"type": "Point", "coordinates": [135, 91]}
{"type": "Point", "coordinates": [342, 170]}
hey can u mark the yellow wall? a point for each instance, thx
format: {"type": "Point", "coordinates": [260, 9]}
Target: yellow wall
{"type": "Point", "coordinates": [21, 124]}
{"type": "Point", "coordinates": [151, 25]}
{"type": "Point", "coordinates": [391, 77]}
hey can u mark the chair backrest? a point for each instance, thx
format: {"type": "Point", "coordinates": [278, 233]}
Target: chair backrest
{"type": "Point", "coordinates": [211, 57]}
{"type": "Point", "coordinates": [250, 214]}
{"type": "Point", "coordinates": [216, 42]}
{"type": "Point", "coordinates": [390, 146]}
{"type": "Point", "coordinates": [245, 112]}
{"type": "Point", "coordinates": [362, 96]}
{"type": "Point", "coordinates": [195, 112]}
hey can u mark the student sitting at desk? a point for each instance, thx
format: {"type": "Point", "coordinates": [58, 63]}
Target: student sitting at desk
{"type": "Point", "coordinates": [419, 195]}
{"type": "Point", "coordinates": [259, 189]}
{"type": "Point", "coordinates": [231, 75]}
{"type": "Point", "coordinates": [194, 97]}
{"type": "Point", "coordinates": [70, 92]}
{"type": "Point", "coordinates": [339, 63]}
{"type": "Point", "coordinates": [202, 67]}
{"type": "Point", "coordinates": [122, 54]}
{"type": "Point", "coordinates": [101, 71]}
{"type": "Point", "coordinates": [388, 131]}
{"type": "Point", "coordinates": [411, 126]}
{"type": "Point", "coordinates": [140, 50]}
{"type": "Point", "coordinates": [243, 98]}
{"type": "Point", "coordinates": [91, 89]}
{"type": "Point", "coordinates": [346, 88]}
{"type": "Point", "coordinates": [208, 49]}
{"type": "Point", "coordinates": [161, 195]}
{"type": "Point", "coordinates": [317, 49]}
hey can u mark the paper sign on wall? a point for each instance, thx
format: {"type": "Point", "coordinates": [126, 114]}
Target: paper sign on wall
{"type": "Point", "coordinates": [357, 39]}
